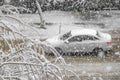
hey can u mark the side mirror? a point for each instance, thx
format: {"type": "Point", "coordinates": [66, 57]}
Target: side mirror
{"type": "Point", "coordinates": [66, 41]}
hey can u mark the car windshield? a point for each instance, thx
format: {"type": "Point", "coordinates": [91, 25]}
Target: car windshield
{"type": "Point", "coordinates": [99, 34]}
{"type": "Point", "coordinates": [65, 36]}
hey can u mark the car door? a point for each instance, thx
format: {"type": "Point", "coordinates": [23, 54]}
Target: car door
{"type": "Point", "coordinates": [82, 43]}
{"type": "Point", "coordinates": [75, 44]}
{"type": "Point", "coordinates": [89, 43]}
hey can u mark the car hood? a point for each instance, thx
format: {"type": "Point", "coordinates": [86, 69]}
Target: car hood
{"type": "Point", "coordinates": [53, 40]}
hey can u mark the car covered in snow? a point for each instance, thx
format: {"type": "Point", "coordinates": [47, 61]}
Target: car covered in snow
{"type": "Point", "coordinates": [82, 41]}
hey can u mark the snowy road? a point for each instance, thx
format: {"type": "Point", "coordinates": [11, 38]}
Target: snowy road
{"type": "Point", "coordinates": [96, 71]}
{"type": "Point", "coordinates": [104, 69]}
{"type": "Point", "coordinates": [93, 66]}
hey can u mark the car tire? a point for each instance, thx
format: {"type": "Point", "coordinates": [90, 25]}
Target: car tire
{"type": "Point", "coordinates": [99, 52]}
{"type": "Point", "coordinates": [109, 53]}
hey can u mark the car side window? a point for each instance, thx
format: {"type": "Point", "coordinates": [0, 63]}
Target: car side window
{"type": "Point", "coordinates": [87, 37]}
{"type": "Point", "coordinates": [76, 39]}
{"type": "Point", "coordinates": [82, 38]}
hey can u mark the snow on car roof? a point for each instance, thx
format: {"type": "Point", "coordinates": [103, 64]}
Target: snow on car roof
{"type": "Point", "coordinates": [84, 32]}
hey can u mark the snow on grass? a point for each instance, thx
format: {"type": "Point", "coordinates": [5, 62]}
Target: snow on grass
{"type": "Point", "coordinates": [103, 20]}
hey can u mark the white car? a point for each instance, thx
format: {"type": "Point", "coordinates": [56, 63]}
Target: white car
{"type": "Point", "coordinates": [82, 41]}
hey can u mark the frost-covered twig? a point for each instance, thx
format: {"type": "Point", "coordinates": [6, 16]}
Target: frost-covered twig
{"type": "Point", "coordinates": [22, 60]}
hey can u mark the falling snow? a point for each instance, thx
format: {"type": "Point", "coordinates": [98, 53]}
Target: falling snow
{"type": "Point", "coordinates": [25, 31]}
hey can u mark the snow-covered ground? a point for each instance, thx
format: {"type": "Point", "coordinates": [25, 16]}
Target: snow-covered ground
{"type": "Point", "coordinates": [86, 69]}
{"type": "Point", "coordinates": [105, 21]}
{"type": "Point", "coordinates": [55, 20]}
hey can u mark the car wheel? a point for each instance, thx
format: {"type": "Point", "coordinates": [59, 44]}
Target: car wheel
{"type": "Point", "coordinates": [59, 50]}
{"type": "Point", "coordinates": [99, 53]}
{"type": "Point", "coordinates": [109, 53]}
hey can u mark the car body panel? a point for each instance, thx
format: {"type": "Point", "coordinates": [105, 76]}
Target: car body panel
{"type": "Point", "coordinates": [99, 41]}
